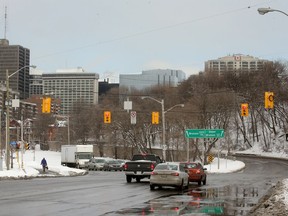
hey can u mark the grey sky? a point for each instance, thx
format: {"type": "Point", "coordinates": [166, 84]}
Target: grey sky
{"type": "Point", "coordinates": [113, 37]}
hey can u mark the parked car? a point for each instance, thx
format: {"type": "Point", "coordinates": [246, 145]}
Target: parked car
{"type": "Point", "coordinates": [169, 174]}
{"type": "Point", "coordinates": [122, 162]}
{"type": "Point", "coordinates": [96, 163]}
{"type": "Point", "coordinates": [195, 171]}
{"type": "Point", "coordinates": [112, 165]}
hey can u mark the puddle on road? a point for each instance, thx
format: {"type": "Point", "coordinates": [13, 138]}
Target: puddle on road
{"type": "Point", "coordinates": [200, 201]}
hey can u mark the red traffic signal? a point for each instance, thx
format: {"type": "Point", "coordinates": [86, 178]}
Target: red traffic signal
{"type": "Point", "coordinates": [269, 100]}
{"type": "Point", "coordinates": [107, 117]}
{"type": "Point", "coordinates": [244, 109]}
{"type": "Point", "coordinates": [155, 117]}
{"type": "Point", "coordinates": [46, 104]}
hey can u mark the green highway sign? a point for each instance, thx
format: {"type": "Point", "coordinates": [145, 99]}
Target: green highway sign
{"type": "Point", "coordinates": [213, 210]}
{"type": "Point", "coordinates": [204, 133]}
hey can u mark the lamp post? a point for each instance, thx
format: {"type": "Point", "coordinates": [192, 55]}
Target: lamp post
{"type": "Point", "coordinates": [8, 112]}
{"type": "Point", "coordinates": [163, 121]}
{"type": "Point", "coordinates": [263, 11]}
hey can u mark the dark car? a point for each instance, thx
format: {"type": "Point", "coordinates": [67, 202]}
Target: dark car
{"type": "Point", "coordinates": [112, 165]}
{"type": "Point", "coordinates": [141, 166]}
{"type": "Point", "coordinates": [195, 171]}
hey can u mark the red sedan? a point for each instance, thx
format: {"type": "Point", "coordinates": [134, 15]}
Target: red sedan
{"type": "Point", "coordinates": [195, 171]}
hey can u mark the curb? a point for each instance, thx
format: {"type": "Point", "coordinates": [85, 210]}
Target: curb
{"type": "Point", "coordinates": [55, 175]}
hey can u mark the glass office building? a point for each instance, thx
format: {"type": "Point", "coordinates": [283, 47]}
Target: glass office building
{"type": "Point", "coordinates": [149, 78]}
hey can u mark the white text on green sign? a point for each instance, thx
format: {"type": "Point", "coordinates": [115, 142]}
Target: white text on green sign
{"type": "Point", "coordinates": [204, 133]}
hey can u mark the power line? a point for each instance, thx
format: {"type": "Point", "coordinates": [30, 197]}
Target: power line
{"type": "Point", "coordinates": [151, 31]}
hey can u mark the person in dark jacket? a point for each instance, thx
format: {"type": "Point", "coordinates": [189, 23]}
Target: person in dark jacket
{"type": "Point", "coordinates": [44, 164]}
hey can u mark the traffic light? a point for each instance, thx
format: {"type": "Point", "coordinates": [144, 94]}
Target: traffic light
{"type": "Point", "coordinates": [46, 105]}
{"type": "Point", "coordinates": [269, 100]}
{"type": "Point", "coordinates": [107, 117]}
{"type": "Point", "coordinates": [155, 117]}
{"type": "Point", "coordinates": [244, 109]}
{"type": "Point", "coordinates": [27, 146]}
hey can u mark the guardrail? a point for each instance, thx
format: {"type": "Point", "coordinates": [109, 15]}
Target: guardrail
{"type": "Point", "coordinates": [258, 156]}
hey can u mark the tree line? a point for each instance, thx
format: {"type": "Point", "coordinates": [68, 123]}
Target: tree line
{"type": "Point", "coordinates": [211, 101]}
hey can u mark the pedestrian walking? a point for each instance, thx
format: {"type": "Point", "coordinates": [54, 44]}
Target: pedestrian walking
{"type": "Point", "coordinates": [44, 164]}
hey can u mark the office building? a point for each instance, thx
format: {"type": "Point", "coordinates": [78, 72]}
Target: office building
{"type": "Point", "coordinates": [71, 86]}
{"type": "Point", "coordinates": [235, 63]}
{"type": "Point", "coordinates": [150, 78]}
{"type": "Point", "coordinates": [36, 83]}
{"type": "Point", "coordinates": [12, 58]}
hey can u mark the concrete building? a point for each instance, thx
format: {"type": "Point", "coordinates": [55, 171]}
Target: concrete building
{"type": "Point", "coordinates": [235, 63]}
{"type": "Point", "coordinates": [149, 78]}
{"type": "Point", "coordinates": [36, 83]}
{"type": "Point", "coordinates": [12, 58]}
{"type": "Point", "coordinates": [71, 86]}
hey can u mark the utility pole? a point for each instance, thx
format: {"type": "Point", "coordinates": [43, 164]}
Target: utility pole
{"type": "Point", "coordinates": [1, 154]}
{"type": "Point", "coordinates": [7, 122]}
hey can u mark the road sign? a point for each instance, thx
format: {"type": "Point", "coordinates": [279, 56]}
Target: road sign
{"type": "Point", "coordinates": [204, 133]}
{"type": "Point", "coordinates": [128, 105]}
{"type": "Point", "coordinates": [133, 116]}
{"type": "Point", "coordinates": [210, 158]}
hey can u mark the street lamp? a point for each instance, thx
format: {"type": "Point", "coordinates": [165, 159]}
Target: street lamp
{"type": "Point", "coordinates": [8, 112]}
{"type": "Point", "coordinates": [163, 121]}
{"type": "Point", "coordinates": [263, 11]}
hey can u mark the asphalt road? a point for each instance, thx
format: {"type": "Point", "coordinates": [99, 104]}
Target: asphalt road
{"type": "Point", "coordinates": [107, 193]}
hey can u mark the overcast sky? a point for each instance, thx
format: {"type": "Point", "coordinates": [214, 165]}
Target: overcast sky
{"type": "Point", "coordinates": [113, 37]}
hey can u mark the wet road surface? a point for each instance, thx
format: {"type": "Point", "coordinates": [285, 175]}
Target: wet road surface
{"type": "Point", "coordinates": [224, 194]}
{"type": "Point", "coordinates": [108, 193]}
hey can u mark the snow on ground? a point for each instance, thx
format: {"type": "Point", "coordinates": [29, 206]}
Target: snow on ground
{"type": "Point", "coordinates": [32, 167]}
{"type": "Point", "coordinates": [279, 196]}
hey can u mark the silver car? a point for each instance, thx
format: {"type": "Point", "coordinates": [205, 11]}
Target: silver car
{"type": "Point", "coordinates": [96, 163]}
{"type": "Point", "coordinates": [169, 174]}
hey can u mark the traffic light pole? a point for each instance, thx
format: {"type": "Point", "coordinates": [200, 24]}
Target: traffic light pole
{"type": "Point", "coordinates": [1, 154]}
{"type": "Point", "coordinates": [68, 128]}
{"type": "Point", "coordinates": [164, 130]}
{"type": "Point", "coordinates": [7, 122]}
{"type": "Point", "coordinates": [164, 146]}
{"type": "Point", "coordinates": [8, 117]}
{"type": "Point", "coordinates": [22, 142]}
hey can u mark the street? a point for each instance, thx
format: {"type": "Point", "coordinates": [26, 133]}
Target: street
{"type": "Point", "coordinates": [107, 193]}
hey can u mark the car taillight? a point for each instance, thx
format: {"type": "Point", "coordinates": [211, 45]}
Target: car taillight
{"type": "Point", "coordinates": [152, 166]}
{"type": "Point", "coordinates": [175, 174]}
{"type": "Point", "coordinates": [125, 166]}
{"type": "Point", "coordinates": [198, 171]}
{"type": "Point", "coordinates": [154, 173]}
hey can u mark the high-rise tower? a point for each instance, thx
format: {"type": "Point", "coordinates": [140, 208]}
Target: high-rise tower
{"type": "Point", "coordinates": [12, 58]}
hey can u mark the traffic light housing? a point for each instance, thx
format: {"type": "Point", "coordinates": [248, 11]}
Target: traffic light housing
{"type": "Point", "coordinates": [269, 100]}
{"type": "Point", "coordinates": [107, 117]}
{"type": "Point", "coordinates": [244, 109]}
{"type": "Point", "coordinates": [46, 104]}
{"type": "Point", "coordinates": [155, 117]}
